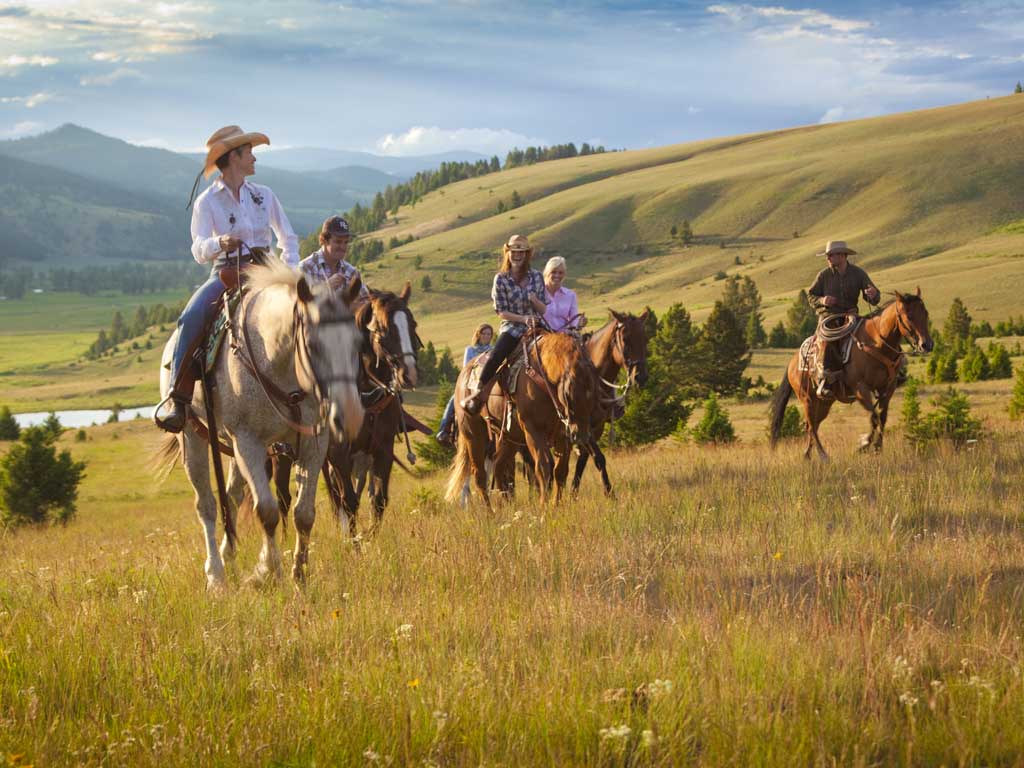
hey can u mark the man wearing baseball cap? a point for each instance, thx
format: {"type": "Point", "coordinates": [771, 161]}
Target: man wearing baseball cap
{"type": "Point", "coordinates": [327, 264]}
{"type": "Point", "coordinates": [836, 291]}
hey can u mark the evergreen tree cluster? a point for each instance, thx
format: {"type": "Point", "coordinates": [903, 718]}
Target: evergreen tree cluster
{"type": "Point", "coordinates": [958, 357]}
{"type": "Point", "coordinates": [121, 330]}
{"type": "Point", "coordinates": [519, 157]}
{"type": "Point", "coordinates": [950, 418]}
{"type": "Point", "coordinates": [801, 321]}
{"type": "Point", "coordinates": [9, 429]}
{"type": "Point", "coordinates": [434, 368]}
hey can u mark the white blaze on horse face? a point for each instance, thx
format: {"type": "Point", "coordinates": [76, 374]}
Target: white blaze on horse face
{"type": "Point", "coordinates": [408, 356]}
{"type": "Point", "coordinates": [343, 341]}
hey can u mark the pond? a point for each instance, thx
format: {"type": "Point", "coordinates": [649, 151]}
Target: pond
{"type": "Point", "coordinates": [84, 418]}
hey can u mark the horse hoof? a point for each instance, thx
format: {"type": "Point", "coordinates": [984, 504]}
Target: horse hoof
{"type": "Point", "coordinates": [215, 586]}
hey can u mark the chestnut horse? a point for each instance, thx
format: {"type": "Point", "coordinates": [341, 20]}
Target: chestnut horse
{"type": "Point", "coordinates": [553, 400]}
{"type": "Point", "coordinates": [619, 343]}
{"type": "Point", "coordinates": [869, 377]}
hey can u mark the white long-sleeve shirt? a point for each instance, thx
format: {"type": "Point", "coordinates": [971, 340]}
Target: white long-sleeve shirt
{"type": "Point", "coordinates": [251, 219]}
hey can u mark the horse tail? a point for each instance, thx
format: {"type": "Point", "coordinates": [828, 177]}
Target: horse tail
{"type": "Point", "coordinates": [165, 457]}
{"type": "Point", "coordinates": [778, 409]}
{"type": "Point", "coordinates": [460, 470]}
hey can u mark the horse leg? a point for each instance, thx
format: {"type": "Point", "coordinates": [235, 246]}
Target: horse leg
{"type": "Point", "coordinates": [250, 455]}
{"type": "Point", "coordinates": [381, 477]}
{"type": "Point", "coordinates": [236, 492]}
{"type": "Point", "coordinates": [282, 473]}
{"type": "Point", "coordinates": [543, 462]}
{"type": "Point", "coordinates": [882, 409]}
{"type": "Point", "coordinates": [562, 470]}
{"type": "Point", "coordinates": [602, 464]}
{"type": "Point", "coordinates": [197, 467]}
{"type": "Point", "coordinates": [866, 399]}
{"type": "Point", "coordinates": [821, 409]}
{"type": "Point", "coordinates": [581, 464]}
{"type": "Point", "coordinates": [307, 471]}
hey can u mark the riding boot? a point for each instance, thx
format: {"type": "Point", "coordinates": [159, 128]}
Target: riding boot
{"type": "Point", "coordinates": [181, 399]}
{"type": "Point", "coordinates": [826, 382]}
{"type": "Point", "coordinates": [473, 403]}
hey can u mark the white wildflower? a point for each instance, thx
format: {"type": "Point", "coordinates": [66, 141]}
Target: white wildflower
{"type": "Point", "coordinates": [615, 732]}
{"type": "Point", "coordinates": [648, 739]}
{"type": "Point", "coordinates": [658, 688]}
{"type": "Point", "coordinates": [371, 755]}
{"type": "Point", "coordinates": [404, 632]}
{"type": "Point", "coordinates": [908, 699]}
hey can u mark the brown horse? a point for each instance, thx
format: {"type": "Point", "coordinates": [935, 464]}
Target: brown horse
{"type": "Point", "coordinates": [869, 378]}
{"type": "Point", "coordinates": [619, 343]}
{"type": "Point", "coordinates": [553, 403]}
{"type": "Point", "coordinates": [388, 356]}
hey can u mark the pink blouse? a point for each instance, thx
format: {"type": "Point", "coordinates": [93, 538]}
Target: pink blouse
{"type": "Point", "coordinates": [562, 309]}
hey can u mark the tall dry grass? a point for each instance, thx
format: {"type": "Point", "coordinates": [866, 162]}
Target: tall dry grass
{"type": "Point", "coordinates": [729, 606]}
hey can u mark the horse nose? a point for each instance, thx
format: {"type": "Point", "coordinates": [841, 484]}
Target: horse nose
{"type": "Point", "coordinates": [929, 345]}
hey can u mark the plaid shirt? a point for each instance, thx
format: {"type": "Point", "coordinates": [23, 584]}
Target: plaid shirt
{"type": "Point", "coordinates": [510, 296]}
{"type": "Point", "coordinates": [316, 269]}
{"type": "Point", "coordinates": [846, 288]}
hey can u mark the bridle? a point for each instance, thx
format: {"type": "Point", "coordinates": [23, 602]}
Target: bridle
{"type": "Point", "coordinates": [631, 365]}
{"type": "Point", "coordinates": [394, 361]}
{"type": "Point", "coordinates": [906, 329]}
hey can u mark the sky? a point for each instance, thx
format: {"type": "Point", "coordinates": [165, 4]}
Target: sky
{"type": "Point", "coordinates": [408, 77]}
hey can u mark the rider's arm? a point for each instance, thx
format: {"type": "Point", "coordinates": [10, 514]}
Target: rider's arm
{"type": "Point", "coordinates": [287, 240]}
{"type": "Point", "coordinates": [816, 293]}
{"type": "Point", "coordinates": [205, 244]}
{"type": "Point", "coordinates": [869, 290]}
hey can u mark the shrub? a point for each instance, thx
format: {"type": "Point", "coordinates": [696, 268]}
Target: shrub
{"type": "Point", "coordinates": [651, 413]}
{"type": "Point", "coordinates": [37, 485]}
{"type": "Point", "coordinates": [80, 436]}
{"type": "Point", "coordinates": [714, 426]}
{"type": "Point", "coordinates": [975, 366]}
{"type": "Point", "coordinates": [1016, 407]}
{"type": "Point", "coordinates": [792, 423]}
{"type": "Point", "coordinates": [9, 429]}
{"type": "Point", "coordinates": [950, 420]}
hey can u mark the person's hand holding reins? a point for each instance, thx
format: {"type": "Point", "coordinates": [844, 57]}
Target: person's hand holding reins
{"type": "Point", "coordinates": [228, 243]}
{"type": "Point", "coordinates": [871, 293]}
{"type": "Point", "coordinates": [538, 305]}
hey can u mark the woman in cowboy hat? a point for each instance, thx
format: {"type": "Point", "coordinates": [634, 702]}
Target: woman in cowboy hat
{"type": "Point", "coordinates": [836, 291]}
{"type": "Point", "coordinates": [231, 215]}
{"type": "Point", "coordinates": [518, 294]}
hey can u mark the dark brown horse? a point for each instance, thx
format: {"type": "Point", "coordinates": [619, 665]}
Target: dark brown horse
{"type": "Point", "coordinates": [388, 357]}
{"type": "Point", "coordinates": [869, 378]}
{"type": "Point", "coordinates": [553, 404]}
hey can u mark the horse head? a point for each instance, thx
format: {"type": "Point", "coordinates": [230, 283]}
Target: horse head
{"type": "Point", "coordinates": [630, 344]}
{"type": "Point", "coordinates": [391, 334]}
{"type": "Point", "coordinates": [912, 320]}
{"type": "Point", "coordinates": [575, 380]}
{"type": "Point", "coordinates": [329, 348]}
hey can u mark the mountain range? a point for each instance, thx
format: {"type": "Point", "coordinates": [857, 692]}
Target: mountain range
{"type": "Point", "coordinates": [73, 195]}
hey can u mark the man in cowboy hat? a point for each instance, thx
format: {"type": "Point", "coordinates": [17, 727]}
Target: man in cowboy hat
{"type": "Point", "coordinates": [327, 264]}
{"type": "Point", "coordinates": [836, 291]}
{"type": "Point", "coordinates": [232, 215]}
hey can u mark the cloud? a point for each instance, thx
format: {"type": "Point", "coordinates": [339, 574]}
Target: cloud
{"type": "Point", "coordinates": [807, 19]}
{"type": "Point", "coordinates": [692, 110]}
{"type": "Point", "coordinates": [178, 9]}
{"type": "Point", "coordinates": [423, 140]}
{"type": "Point", "coordinates": [16, 61]}
{"type": "Point", "coordinates": [23, 128]}
{"type": "Point", "coordinates": [121, 73]}
{"type": "Point", "coordinates": [285, 24]}
{"type": "Point", "coordinates": [832, 115]}
{"type": "Point", "coordinates": [29, 101]}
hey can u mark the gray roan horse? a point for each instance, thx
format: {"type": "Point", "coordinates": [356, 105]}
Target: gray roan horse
{"type": "Point", "coordinates": [297, 339]}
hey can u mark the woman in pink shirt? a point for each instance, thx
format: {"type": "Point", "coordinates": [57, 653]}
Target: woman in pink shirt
{"type": "Point", "coordinates": [563, 312]}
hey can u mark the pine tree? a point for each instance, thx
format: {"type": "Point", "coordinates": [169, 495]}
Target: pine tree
{"type": "Point", "coordinates": [714, 426]}
{"type": "Point", "coordinates": [446, 370]}
{"type": "Point", "coordinates": [756, 337]}
{"type": "Point", "coordinates": [674, 232]}
{"type": "Point", "coordinates": [1016, 407]}
{"type": "Point", "coordinates": [118, 331]}
{"type": "Point", "coordinates": [958, 322]}
{"type": "Point", "coordinates": [723, 345]}
{"type": "Point", "coordinates": [37, 484]}
{"type": "Point", "coordinates": [675, 348]}
{"type": "Point", "coordinates": [52, 426]}
{"type": "Point", "coordinates": [911, 410]}
{"type": "Point", "coordinates": [1000, 366]}
{"type": "Point", "coordinates": [426, 283]}
{"type": "Point", "coordinates": [9, 429]}
{"type": "Point", "coordinates": [652, 412]}
{"type": "Point", "coordinates": [801, 320]}
{"type": "Point", "coordinates": [435, 455]}
{"type": "Point", "coordinates": [516, 200]}
{"type": "Point", "coordinates": [1019, 88]}
{"type": "Point", "coordinates": [650, 324]}
{"type": "Point", "coordinates": [975, 366]}
{"type": "Point", "coordinates": [427, 364]}
{"type": "Point", "coordinates": [686, 233]}
{"type": "Point", "coordinates": [778, 336]}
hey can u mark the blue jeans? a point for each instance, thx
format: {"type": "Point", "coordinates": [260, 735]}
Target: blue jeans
{"type": "Point", "coordinates": [199, 312]}
{"type": "Point", "coordinates": [449, 415]}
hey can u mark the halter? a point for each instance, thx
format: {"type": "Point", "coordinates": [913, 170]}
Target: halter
{"type": "Point", "coordinates": [394, 361]}
{"type": "Point", "coordinates": [630, 364]}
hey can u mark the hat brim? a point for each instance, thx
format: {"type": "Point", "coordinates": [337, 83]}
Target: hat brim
{"type": "Point", "coordinates": [838, 251]}
{"type": "Point", "coordinates": [221, 148]}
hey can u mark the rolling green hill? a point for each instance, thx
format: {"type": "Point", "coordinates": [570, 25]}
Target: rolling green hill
{"type": "Point", "coordinates": [928, 198]}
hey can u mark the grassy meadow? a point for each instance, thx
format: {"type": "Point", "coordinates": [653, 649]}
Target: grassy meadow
{"type": "Point", "coordinates": [729, 606]}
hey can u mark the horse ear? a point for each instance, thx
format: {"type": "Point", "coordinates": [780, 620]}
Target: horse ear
{"type": "Point", "coordinates": [645, 315]}
{"type": "Point", "coordinates": [918, 294]}
{"type": "Point", "coordinates": [899, 296]}
{"type": "Point", "coordinates": [351, 292]}
{"type": "Point", "coordinates": [304, 291]}
{"type": "Point", "coordinates": [616, 315]}
{"type": "Point", "coordinates": [406, 292]}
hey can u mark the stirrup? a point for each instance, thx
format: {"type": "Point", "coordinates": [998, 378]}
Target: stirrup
{"type": "Point", "coordinates": [175, 421]}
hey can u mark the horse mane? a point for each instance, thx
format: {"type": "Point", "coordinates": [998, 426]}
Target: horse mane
{"type": "Point", "coordinates": [559, 355]}
{"type": "Point", "coordinates": [378, 308]}
{"type": "Point", "coordinates": [275, 272]}
{"type": "Point", "coordinates": [908, 298]}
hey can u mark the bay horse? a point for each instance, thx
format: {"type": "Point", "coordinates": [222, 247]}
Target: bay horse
{"type": "Point", "coordinates": [869, 377]}
{"type": "Point", "coordinates": [387, 351]}
{"type": "Point", "coordinates": [294, 338]}
{"type": "Point", "coordinates": [554, 397]}
{"type": "Point", "coordinates": [619, 343]}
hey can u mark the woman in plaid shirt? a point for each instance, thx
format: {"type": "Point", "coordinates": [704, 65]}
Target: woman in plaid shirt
{"type": "Point", "coordinates": [518, 295]}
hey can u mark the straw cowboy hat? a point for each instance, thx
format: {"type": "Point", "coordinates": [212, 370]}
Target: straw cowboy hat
{"type": "Point", "coordinates": [837, 246]}
{"type": "Point", "coordinates": [518, 243]}
{"type": "Point", "coordinates": [223, 141]}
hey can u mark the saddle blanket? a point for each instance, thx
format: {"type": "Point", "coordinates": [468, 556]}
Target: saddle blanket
{"type": "Point", "coordinates": [507, 378]}
{"type": "Point", "coordinates": [810, 353]}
